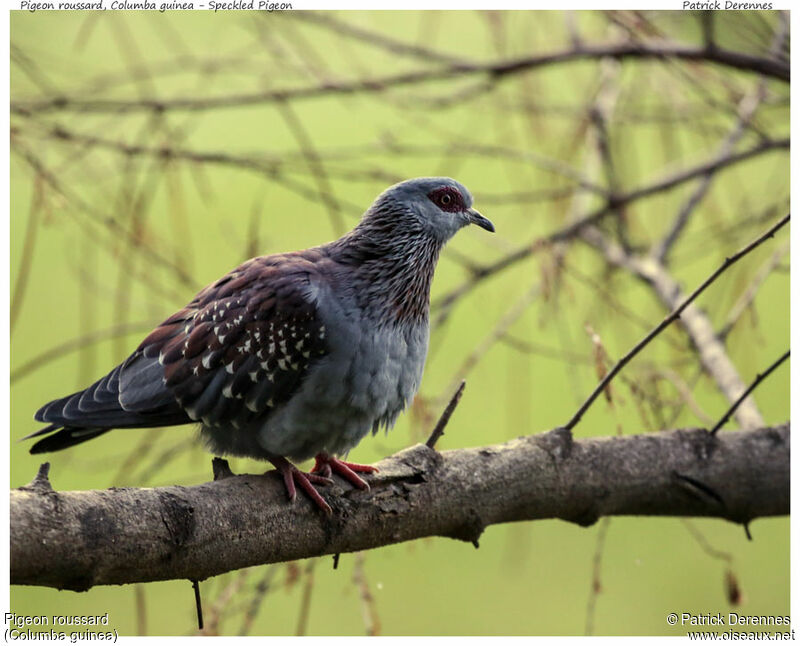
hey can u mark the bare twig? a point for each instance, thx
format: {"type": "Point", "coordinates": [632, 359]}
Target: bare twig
{"type": "Point", "coordinates": [746, 299]}
{"type": "Point", "coordinates": [697, 325]}
{"type": "Point", "coordinates": [326, 20]}
{"type": "Point", "coordinates": [141, 610]}
{"type": "Point", "coordinates": [372, 623]}
{"type": "Point", "coordinates": [315, 165]}
{"type": "Point", "coordinates": [104, 220]}
{"type": "Point", "coordinates": [596, 585]}
{"type": "Point", "coordinates": [747, 109]}
{"type": "Point", "coordinates": [305, 601]}
{"type": "Point", "coordinates": [198, 603]}
{"type": "Point", "coordinates": [438, 430]}
{"type": "Point", "coordinates": [262, 588]}
{"type": "Point", "coordinates": [745, 112]}
{"type": "Point", "coordinates": [773, 68]}
{"type": "Point", "coordinates": [73, 345]}
{"type": "Point", "coordinates": [23, 272]}
{"type": "Point", "coordinates": [217, 611]}
{"type": "Point", "coordinates": [574, 228]}
{"type": "Point", "coordinates": [671, 317]}
{"type": "Point", "coordinates": [759, 378]}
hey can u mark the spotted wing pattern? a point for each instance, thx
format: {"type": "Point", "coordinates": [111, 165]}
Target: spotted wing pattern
{"type": "Point", "coordinates": [239, 349]}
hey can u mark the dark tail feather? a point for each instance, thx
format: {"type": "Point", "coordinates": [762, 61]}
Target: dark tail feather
{"type": "Point", "coordinates": [98, 407]}
{"type": "Point", "coordinates": [88, 413]}
{"type": "Point", "coordinates": [63, 438]}
{"type": "Point", "coordinates": [41, 431]}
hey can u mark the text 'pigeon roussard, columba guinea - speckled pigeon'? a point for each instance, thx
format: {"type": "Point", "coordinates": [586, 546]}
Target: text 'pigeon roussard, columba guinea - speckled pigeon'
{"type": "Point", "coordinates": [292, 355]}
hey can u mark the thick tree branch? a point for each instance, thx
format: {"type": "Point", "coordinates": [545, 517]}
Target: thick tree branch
{"type": "Point", "coordinates": [79, 539]}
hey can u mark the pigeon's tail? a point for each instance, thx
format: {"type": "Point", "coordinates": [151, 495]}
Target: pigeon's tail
{"type": "Point", "coordinates": [89, 413]}
{"type": "Point", "coordinates": [62, 437]}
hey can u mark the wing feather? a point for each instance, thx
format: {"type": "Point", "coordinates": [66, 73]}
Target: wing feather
{"type": "Point", "coordinates": [239, 349]}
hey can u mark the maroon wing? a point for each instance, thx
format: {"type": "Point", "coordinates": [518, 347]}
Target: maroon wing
{"type": "Point", "coordinates": [239, 349]}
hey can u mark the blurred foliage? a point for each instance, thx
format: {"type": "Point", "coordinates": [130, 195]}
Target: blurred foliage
{"type": "Point", "coordinates": [118, 216]}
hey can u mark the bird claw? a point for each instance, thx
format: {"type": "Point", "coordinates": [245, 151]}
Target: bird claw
{"type": "Point", "coordinates": [328, 465]}
{"type": "Point", "coordinates": [292, 475]}
{"type": "Point", "coordinates": [322, 474]}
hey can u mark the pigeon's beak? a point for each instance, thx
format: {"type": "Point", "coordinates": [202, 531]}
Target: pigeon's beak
{"type": "Point", "coordinates": [482, 222]}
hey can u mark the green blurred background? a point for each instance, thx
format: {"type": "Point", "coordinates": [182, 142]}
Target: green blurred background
{"type": "Point", "coordinates": [108, 237]}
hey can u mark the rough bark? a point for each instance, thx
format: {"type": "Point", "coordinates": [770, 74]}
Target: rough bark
{"type": "Point", "coordinates": [79, 539]}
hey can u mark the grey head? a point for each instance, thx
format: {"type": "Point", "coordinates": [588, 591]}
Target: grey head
{"type": "Point", "coordinates": [436, 206]}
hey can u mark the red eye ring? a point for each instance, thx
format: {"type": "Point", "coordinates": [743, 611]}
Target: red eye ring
{"type": "Point", "coordinates": [447, 198]}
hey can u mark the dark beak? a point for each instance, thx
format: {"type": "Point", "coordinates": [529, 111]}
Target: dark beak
{"type": "Point", "coordinates": [482, 222]}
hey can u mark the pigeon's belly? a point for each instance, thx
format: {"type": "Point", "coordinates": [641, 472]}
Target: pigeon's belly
{"type": "Point", "coordinates": [370, 376]}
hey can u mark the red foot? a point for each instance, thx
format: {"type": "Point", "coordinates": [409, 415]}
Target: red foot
{"type": "Point", "coordinates": [327, 465]}
{"type": "Point", "coordinates": [291, 475]}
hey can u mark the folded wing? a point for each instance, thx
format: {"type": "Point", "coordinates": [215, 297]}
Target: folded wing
{"type": "Point", "coordinates": [238, 350]}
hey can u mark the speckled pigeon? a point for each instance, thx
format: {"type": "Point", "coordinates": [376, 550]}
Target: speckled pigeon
{"type": "Point", "coordinates": [292, 355]}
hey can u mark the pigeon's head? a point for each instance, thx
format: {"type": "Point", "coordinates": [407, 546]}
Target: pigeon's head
{"type": "Point", "coordinates": [438, 206]}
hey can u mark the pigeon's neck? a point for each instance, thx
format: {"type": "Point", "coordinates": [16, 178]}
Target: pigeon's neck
{"type": "Point", "coordinates": [390, 275]}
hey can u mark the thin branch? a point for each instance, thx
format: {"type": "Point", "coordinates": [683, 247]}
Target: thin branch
{"type": "Point", "coordinates": [597, 585]}
{"type": "Point", "coordinates": [747, 109]}
{"type": "Point", "coordinates": [697, 325]}
{"type": "Point", "coordinates": [198, 603]}
{"type": "Point", "coordinates": [326, 20]}
{"type": "Point", "coordinates": [315, 164]}
{"type": "Point", "coordinates": [105, 220]}
{"type": "Point", "coordinates": [671, 317]}
{"type": "Point", "coordinates": [745, 113]}
{"type": "Point", "coordinates": [499, 69]}
{"type": "Point", "coordinates": [438, 430]}
{"type": "Point", "coordinates": [372, 623]}
{"type": "Point", "coordinates": [262, 588]}
{"type": "Point", "coordinates": [759, 378]}
{"type": "Point", "coordinates": [748, 296]}
{"type": "Point", "coordinates": [572, 229]}
{"type": "Point", "coordinates": [73, 345]}
{"type": "Point", "coordinates": [305, 601]}
{"type": "Point", "coordinates": [272, 167]}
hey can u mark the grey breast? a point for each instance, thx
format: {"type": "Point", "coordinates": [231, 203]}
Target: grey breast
{"type": "Point", "coordinates": [369, 376]}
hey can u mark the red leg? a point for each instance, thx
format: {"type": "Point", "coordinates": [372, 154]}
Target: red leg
{"type": "Point", "coordinates": [328, 464]}
{"type": "Point", "coordinates": [292, 475]}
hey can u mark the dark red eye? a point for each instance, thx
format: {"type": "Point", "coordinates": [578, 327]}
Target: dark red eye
{"type": "Point", "coordinates": [447, 198]}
